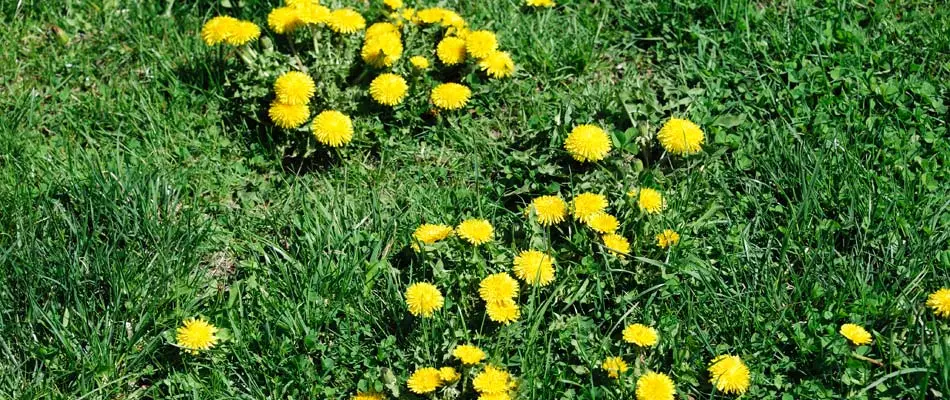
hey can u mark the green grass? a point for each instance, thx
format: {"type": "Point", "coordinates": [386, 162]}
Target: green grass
{"type": "Point", "coordinates": [134, 193]}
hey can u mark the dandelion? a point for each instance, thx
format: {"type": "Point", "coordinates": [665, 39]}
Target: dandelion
{"type": "Point", "coordinates": [450, 96]}
{"type": "Point", "coordinates": [640, 335]}
{"type": "Point", "coordinates": [333, 128]}
{"type": "Point", "coordinates": [310, 13]}
{"type": "Point", "coordinates": [481, 43]}
{"type": "Point", "coordinates": [419, 63]}
{"type": "Point", "coordinates": [495, 396]}
{"type": "Point", "coordinates": [939, 301]}
{"type": "Point", "coordinates": [549, 209]}
{"type": "Point", "coordinates": [382, 50]}
{"type": "Point", "coordinates": [504, 312]}
{"type": "Point", "coordinates": [284, 20]}
{"type": "Point", "coordinates": [498, 64]}
{"type": "Point", "coordinates": [616, 244]}
{"type": "Point", "coordinates": [614, 366]}
{"type": "Point", "coordinates": [587, 143]}
{"type": "Point", "coordinates": [681, 136]}
{"type": "Point", "coordinates": [382, 28]}
{"type": "Point", "coordinates": [655, 386]}
{"type": "Point", "coordinates": [475, 231]}
{"type": "Point", "coordinates": [288, 115]}
{"type": "Point", "coordinates": [650, 201]}
{"type": "Point", "coordinates": [468, 354]}
{"type": "Point", "coordinates": [423, 299]}
{"type": "Point", "coordinates": [294, 87]}
{"type": "Point", "coordinates": [534, 267]}
{"type": "Point", "coordinates": [729, 374]}
{"type": "Point", "coordinates": [603, 223]}
{"type": "Point", "coordinates": [540, 3]}
{"type": "Point", "coordinates": [393, 4]}
{"type": "Point", "coordinates": [587, 205]}
{"type": "Point", "coordinates": [449, 374]}
{"type": "Point", "coordinates": [196, 335]}
{"type": "Point", "coordinates": [451, 50]}
{"type": "Point", "coordinates": [218, 29]}
{"type": "Point", "coordinates": [346, 21]}
{"type": "Point", "coordinates": [424, 380]}
{"type": "Point", "coordinates": [388, 89]}
{"type": "Point", "coordinates": [431, 233]}
{"type": "Point", "coordinates": [667, 239]}
{"type": "Point", "coordinates": [498, 287]}
{"type": "Point", "coordinates": [429, 15]}
{"type": "Point", "coordinates": [243, 32]}
{"type": "Point", "coordinates": [368, 396]}
{"type": "Point", "coordinates": [855, 333]}
{"type": "Point", "coordinates": [452, 20]}
{"type": "Point", "coordinates": [492, 381]}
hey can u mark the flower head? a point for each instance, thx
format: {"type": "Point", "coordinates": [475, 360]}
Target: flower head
{"type": "Point", "coordinates": [650, 201]}
{"type": "Point", "coordinates": [453, 20]}
{"type": "Point", "coordinates": [429, 15]}
{"type": "Point", "coordinates": [333, 128]}
{"type": "Point", "coordinates": [382, 28]}
{"type": "Point", "coordinates": [505, 311]}
{"type": "Point", "coordinates": [468, 354]}
{"type": "Point", "coordinates": [681, 136]}
{"type": "Point", "coordinates": [431, 233]}
{"type": "Point", "coordinates": [368, 396]}
{"type": "Point", "coordinates": [603, 223]}
{"type": "Point", "coordinates": [498, 287]}
{"type": "Point", "coordinates": [423, 299]}
{"type": "Point", "coordinates": [475, 231]}
{"type": "Point", "coordinates": [587, 143]}
{"type": "Point", "coordinates": [587, 205]}
{"type": "Point", "coordinates": [393, 4]}
{"type": "Point", "coordinates": [284, 19]}
{"type": "Point", "coordinates": [655, 386]}
{"type": "Point", "coordinates": [667, 238]}
{"type": "Point", "coordinates": [540, 3]}
{"type": "Point", "coordinates": [388, 89]}
{"type": "Point", "coordinates": [855, 333]}
{"type": "Point", "coordinates": [451, 50]}
{"type": "Point", "coordinates": [497, 64]}
{"type": "Point", "coordinates": [534, 267]}
{"type": "Point", "coordinates": [939, 301]}
{"type": "Point", "coordinates": [449, 374]}
{"type": "Point", "coordinates": [492, 381]}
{"type": "Point", "coordinates": [640, 335]}
{"type": "Point", "coordinates": [481, 43]}
{"type": "Point", "coordinates": [382, 50]}
{"type": "Point", "coordinates": [288, 115]}
{"type": "Point", "coordinates": [614, 366]}
{"type": "Point", "coordinates": [346, 21]}
{"type": "Point", "coordinates": [729, 374]}
{"type": "Point", "coordinates": [450, 96]}
{"type": "Point", "coordinates": [424, 380]}
{"type": "Point", "coordinates": [243, 33]}
{"type": "Point", "coordinates": [419, 62]}
{"type": "Point", "coordinates": [196, 335]}
{"type": "Point", "coordinates": [311, 12]}
{"type": "Point", "coordinates": [218, 29]}
{"type": "Point", "coordinates": [616, 244]}
{"type": "Point", "coordinates": [294, 87]}
{"type": "Point", "coordinates": [549, 209]}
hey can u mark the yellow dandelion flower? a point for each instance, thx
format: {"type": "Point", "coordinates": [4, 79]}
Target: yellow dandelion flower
{"type": "Point", "coordinates": [492, 381]}
{"type": "Point", "coordinates": [614, 366]}
{"type": "Point", "coordinates": [382, 50]}
{"type": "Point", "coordinates": [368, 396]}
{"type": "Point", "coordinates": [294, 87]}
{"type": "Point", "coordinates": [382, 28]}
{"type": "Point", "coordinates": [641, 335]}
{"type": "Point", "coordinates": [460, 33]}
{"type": "Point", "coordinates": [424, 380]}
{"type": "Point", "coordinates": [498, 64]}
{"type": "Point", "coordinates": [939, 301]}
{"type": "Point", "coordinates": [468, 354]}
{"type": "Point", "coordinates": [393, 4]}
{"type": "Point", "coordinates": [494, 396]}
{"type": "Point", "coordinates": [452, 19]}
{"type": "Point", "coordinates": [603, 223]}
{"type": "Point", "coordinates": [655, 386]}
{"type": "Point", "coordinates": [587, 143]}
{"type": "Point", "coordinates": [450, 96]}
{"type": "Point", "coordinates": [616, 244]}
{"type": "Point", "coordinates": [534, 267]}
{"type": "Point", "coordinates": [218, 29]}
{"type": "Point", "coordinates": [346, 21]}
{"type": "Point", "coordinates": [429, 15]}
{"type": "Point", "coordinates": [729, 374]}
{"type": "Point", "coordinates": [312, 13]}
{"type": "Point", "coordinates": [196, 335]}
{"type": "Point", "coordinates": [855, 333]}
{"type": "Point", "coordinates": [451, 50]}
{"type": "Point", "coordinates": [423, 299]}
{"type": "Point", "coordinates": [284, 20]}
{"type": "Point", "coordinates": [419, 62]}
{"type": "Point", "coordinates": [667, 238]}
{"type": "Point", "coordinates": [586, 205]}
{"type": "Point", "coordinates": [498, 287]}
{"type": "Point", "coordinates": [449, 374]}
{"type": "Point", "coordinates": [681, 136]}
{"type": "Point", "coordinates": [388, 89]}
{"type": "Point", "coordinates": [431, 233]}
{"type": "Point", "coordinates": [540, 3]}
{"type": "Point", "coordinates": [406, 14]}
{"type": "Point", "coordinates": [288, 115]}
{"type": "Point", "coordinates": [650, 201]}
{"type": "Point", "coordinates": [475, 231]}
{"type": "Point", "coordinates": [301, 3]}
{"type": "Point", "coordinates": [243, 32]}
{"type": "Point", "coordinates": [333, 128]}
{"type": "Point", "coordinates": [549, 209]}
{"type": "Point", "coordinates": [504, 312]}
{"type": "Point", "coordinates": [481, 43]}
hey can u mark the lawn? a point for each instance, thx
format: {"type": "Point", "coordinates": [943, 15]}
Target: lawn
{"type": "Point", "coordinates": [143, 184]}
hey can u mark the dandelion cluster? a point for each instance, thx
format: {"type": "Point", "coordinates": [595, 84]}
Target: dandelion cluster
{"type": "Point", "coordinates": [224, 29]}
